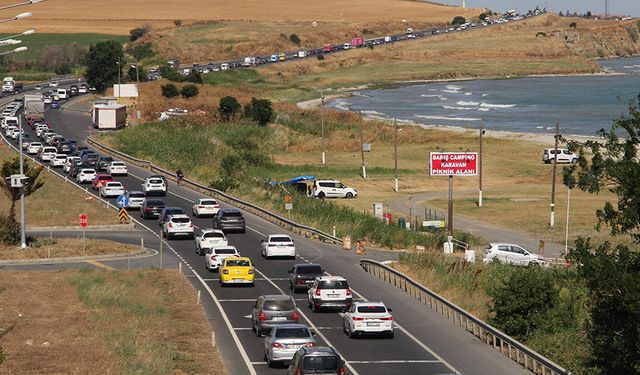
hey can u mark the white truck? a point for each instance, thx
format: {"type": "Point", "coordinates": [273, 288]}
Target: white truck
{"type": "Point", "coordinates": [8, 84]}
{"type": "Point", "coordinates": [249, 61]}
{"type": "Point", "coordinates": [33, 108]}
{"type": "Point", "coordinates": [109, 116]}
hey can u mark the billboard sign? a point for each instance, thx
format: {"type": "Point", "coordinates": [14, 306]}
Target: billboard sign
{"type": "Point", "coordinates": [453, 163]}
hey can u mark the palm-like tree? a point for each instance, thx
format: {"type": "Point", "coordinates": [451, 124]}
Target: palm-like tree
{"type": "Point", "coordinates": [11, 167]}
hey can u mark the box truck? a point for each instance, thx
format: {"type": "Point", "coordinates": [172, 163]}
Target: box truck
{"type": "Point", "coordinates": [109, 116]}
{"type": "Point", "coordinates": [357, 42]}
{"type": "Point", "coordinates": [33, 108]}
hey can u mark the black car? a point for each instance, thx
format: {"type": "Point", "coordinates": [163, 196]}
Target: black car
{"type": "Point", "coordinates": [82, 152]}
{"type": "Point", "coordinates": [91, 160]}
{"type": "Point", "coordinates": [73, 90]}
{"type": "Point", "coordinates": [75, 168]}
{"type": "Point", "coordinates": [167, 212]}
{"type": "Point", "coordinates": [301, 276]}
{"type": "Point", "coordinates": [151, 208]}
{"type": "Point", "coordinates": [316, 360]}
{"type": "Point", "coordinates": [229, 219]}
{"type": "Point", "coordinates": [103, 162]}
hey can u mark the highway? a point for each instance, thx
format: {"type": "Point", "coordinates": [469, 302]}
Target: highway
{"type": "Point", "coordinates": [425, 342]}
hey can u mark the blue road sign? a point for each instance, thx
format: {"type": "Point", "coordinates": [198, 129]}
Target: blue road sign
{"type": "Point", "coordinates": [123, 201]}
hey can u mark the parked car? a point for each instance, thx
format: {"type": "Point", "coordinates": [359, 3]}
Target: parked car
{"type": "Point", "coordinates": [368, 317]}
{"type": "Point", "coordinates": [271, 310]}
{"type": "Point", "coordinates": [236, 270]}
{"type": "Point", "coordinates": [167, 212]}
{"type": "Point", "coordinates": [302, 276]}
{"type": "Point", "coordinates": [316, 360]}
{"type": "Point", "coordinates": [229, 219]}
{"type": "Point", "coordinates": [111, 189]}
{"type": "Point", "coordinates": [332, 189]}
{"type": "Point", "coordinates": [178, 225]}
{"type": "Point", "coordinates": [511, 254]}
{"type": "Point", "coordinates": [205, 207]}
{"type": "Point", "coordinates": [100, 180]}
{"type": "Point", "coordinates": [210, 238]}
{"type": "Point", "coordinates": [278, 245]}
{"type": "Point", "coordinates": [85, 175]}
{"type": "Point", "coordinates": [151, 208]}
{"type": "Point", "coordinates": [117, 168]}
{"type": "Point", "coordinates": [285, 340]}
{"type": "Point", "coordinates": [154, 186]}
{"type": "Point", "coordinates": [214, 257]}
{"type": "Point", "coordinates": [329, 292]}
{"type": "Point", "coordinates": [564, 156]}
{"type": "Point", "coordinates": [136, 199]}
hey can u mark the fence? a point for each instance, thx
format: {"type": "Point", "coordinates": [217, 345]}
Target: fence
{"type": "Point", "coordinates": [507, 345]}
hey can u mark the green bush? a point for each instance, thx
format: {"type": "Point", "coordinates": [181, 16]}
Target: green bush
{"type": "Point", "coordinates": [259, 110]}
{"type": "Point", "coordinates": [633, 33]}
{"type": "Point", "coordinates": [142, 51]}
{"type": "Point", "coordinates": [171, 74]}
{"type": "Point", "coordinates": [189, 91]}
{"type": "Point", "coordinates": [169, 90]}
{"type": "Point", "coordinates": [458, 20]}
{"type": "Point", "coordinates": [293, 38]}
{"type": "Point", "coordinates": [228, 107]}
{"type": "Point", "coordinates": [194, 76]}
{"type": "Point", "coordinates": [137, 33]}
{"type": "Point", "coordinates": [9, 231]}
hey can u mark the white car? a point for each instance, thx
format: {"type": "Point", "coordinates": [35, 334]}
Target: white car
{"type": "Point", "coordinates": [332, 189]}
{"type": "Point", "coordinates": [58, 160]}
{"type": "Point", "coordinates": [69, 162]}
{"type": "Point", "coordinates": [16, 133]}
{"type": "Point", "coordinates": [368, 317]}
{"type": "Point", "coordinates": [511, 254]}
{"type": "Point", "coordinates": [329, 292]}
{"type": "Point", "coordinates": [111, 189]}
{"type": "Point", "coordinates": [210, 238]}
{"type": "Point", "coordinates": [47, 153]}
{"type": "Point", "coordinates": [53, 84]}
{"type": "Point", "coordinates": [564, 156]}
{"type": "Point", "coordinates": [47, 99]}
{"type": "Point", "coordinates": [277, 245]}
{"type": "Point", "coordinates": [117, 168]}
{"type": "Point", "coordinates": [205, 207]}
{"type": "Point", "coordinates": [82, 90]}
{"type": "Point", "coordinates": [34, 148]}
{"type": "Point", "coordinates": [41, 129]}
{"type": "Point", "coordinates": [9, 130]}
{"type": "Point", "coordinates": [136, 199]}
{"type": "Point", "coordinates": [214, 257]}
{"type": "Point", "coordinates": [178, 226]}
{"type": "Point", "coordinates": [154, 186]}
{"type": "Point", "coordinates": [86, 175]}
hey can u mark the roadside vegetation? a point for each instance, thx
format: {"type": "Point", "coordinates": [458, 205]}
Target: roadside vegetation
{"type": "Point", "coordinates": [140, 322]}
{"type": "Point", "coordinates": [49, 247]}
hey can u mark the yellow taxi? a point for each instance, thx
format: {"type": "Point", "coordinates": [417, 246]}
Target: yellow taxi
{"type": "Point", "coordinates": [236, 270]}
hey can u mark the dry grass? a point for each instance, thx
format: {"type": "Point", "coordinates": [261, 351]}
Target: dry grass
{"type": "Point", "coordinates": [88, 322]}
{"type": "Point", "coordinates": [66, 247]}
{"type": "Point", "coordinates": [119, 16]}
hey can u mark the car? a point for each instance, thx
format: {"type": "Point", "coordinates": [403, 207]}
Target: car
{"type": "Point", "coordinates": [26, 141]}
{"type": "Point", "coordinates": [58, 160]}
{"type": "Point", "coordinates": [54, 104]}
{"type": "Point", "coordinates": [47, 99]}
{"type": "Point", "coordinates": [75, 168]}
{"type": "Point", "coordinates": [69, 162]}
{"type": "Point", "coordinates": [9, 130]}
{"type": "Point", "coordinates": [332, 189]}
{"type": "Point", "coordinates": [100, 180]}
{"type": "Point", "coordinates": [83, 153]}
{"type": "Point", "coordinates": [111, 189]}
{"type": "Point", "coordinates": [564, 156]}
{"type": "Point", "coordinates": [178, 225]}
{"type": "Point", "coordinates": [73, 90]}
{"type": "Point", "coordinates": [167, 212]}
{"type": "Point", "coordinates": [205, 207]}
{"type": "Point", "coordinates": [236, 270]}
{"type": "Point", "coordinates": [103, 162]}
{"type": "Point", "coordinates": [38, 87]}
{"type": "Point", "coordinates": [47, 153]}
{"type": "Point", "coordinates": [85, 175]}
{"type": "Point", "coordinates": [48, 137]}
{"type": "Point", "coordinates": [136, 199]}
{"type": "Point", "coordinates": [154, 186]}
{"type": "Point", "coordinates": [285, 340]}
{"type": "Point", "coordinates": [368, 317]}
{"type": "Point", "coordinates": [66, 147]}
{"type": "Point", "coordinates": [90, 159]}
{"type": "Point", "coordinates": [214, 256]}
{"type": "Point", "coordinates": [41, 129]}
{"type": "Point", "coordinates": [53, 84]}
{"type": "Point", "coordinates": [117, 168]}
{"type": "Point", "coordinates": [329, 292]}
{"type": "Point", "coordinates": [512, 254]}
{"type": "Point", "coordinates": [83, 89]}
{"type": "Point", "coordinates": [302, 276]}
{"type": "Point", "coordinates": [316, 360]}
{"type": "Point", "coordinates": [34, 148]}
{"type": "Point", "coordinates": [210, 238]}
{"type": "Point", "coordinates": [278, 245]}
{"type": "Point", "coordinates": [151, 208]}
{"type": "Point", "coordinates": [229, 219]}
{"type": "Point", "coordinates": [56, 140]}
{"type": "Point", "coordinates": [271, 310]}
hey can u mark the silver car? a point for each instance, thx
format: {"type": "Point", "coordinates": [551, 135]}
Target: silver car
{"type": "Point", "coordinates": [285, 340]}
{"type": "Point", "coordinates": [271, 310]}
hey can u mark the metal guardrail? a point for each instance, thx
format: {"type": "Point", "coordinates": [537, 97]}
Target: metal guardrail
{"type": "Point", "coordinates": [502, 342]}
{"type": "Point", "coordinates": [291, 225]}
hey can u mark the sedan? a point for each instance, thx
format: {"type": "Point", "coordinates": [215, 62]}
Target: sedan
{"type": "Point", "coordinates": [210, 238]}
{"type": "Point", "coordinates": [136, 199]}
{"type": "Point", "coordinates": [277, 245]}
{"type": "Point", "coordinates": [117, 168]}
{"type": "Point", "coordinates": [214, 257]}
{"type": "Point", "coordinates": [205, 207]}
{"type": "Point", "coordinates": [111, 189]}
{"type": "Point", "coordinates": [151, 208]}
{"type": "Point", "coordinates": [285, 340]}
{"type": "Point", "coordinates": [368, 317]}
{"type": "Point", "coordinates": [34, 148]}
{"type": "Point", "coordinates": [272, 310]}
{"type": "Point", "coordinates": [236, 270]}
{"type": "Point", "coordinates": [85, 175]}
{"type": "Point", "coordinates": [58, 160]}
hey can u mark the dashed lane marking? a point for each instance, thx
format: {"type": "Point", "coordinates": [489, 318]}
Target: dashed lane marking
{"type": "Point", "coordinates": [100, 265]}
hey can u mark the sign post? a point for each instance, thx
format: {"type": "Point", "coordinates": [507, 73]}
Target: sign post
{"type": "Point", "coordinates": [453, 164]}
{"type": "Point", "coordinates": [83, 224]}
{"type": "Point", "coordinates": [288, 205]}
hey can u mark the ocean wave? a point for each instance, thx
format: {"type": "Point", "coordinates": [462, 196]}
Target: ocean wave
{"type": "Point", "coordinates": [448, 118]}
{"type": "Point", "coordinates": [539, 127]}
{"type": "Point", "coordinates": [430, 96]}
{"type": "Point", "coordinates": [489, 105]}
{"type": "Point", "coordinates": [459, 108]}
{"type": "Point", "coordinates": [451, 91]}
{"type": "Point", "coordinates": [468, 93]}
{"type": "Point", "coordinates": [464, 103]}
{"type": "Point", "coordinates": [484, 109]}
{"type": "Point", "coordinates": [372, 113]}
{"type": "Point", "coordinates": [341, 104]}
{"type": "Point", "coordinates": [453, 87]}
{"type": "Point", "coordinates": [483, 95]}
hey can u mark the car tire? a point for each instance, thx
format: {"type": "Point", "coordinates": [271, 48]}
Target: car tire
{"type": "Point", "coordinates": [349, 195]}
{"type": "Point", "coordinates": [390, 335]}
{"type": "Point", "coordinates": [321, 195]}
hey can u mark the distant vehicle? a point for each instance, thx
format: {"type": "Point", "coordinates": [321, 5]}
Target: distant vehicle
{"type": "Point", "coordinates": [34, 148]}
{"type": "Point", "coordinates": [8, 84]}
{"type": "Point", "coordinates": [285, 340]}
{"type": "Point", "coordinates": [117, 168]}
{"type": "Point", "coordinates": [564, 156]}
{"type": "Point", "coordinates": [357, 42]}
{"type": "Point", "coordinates": [178, 226]}
{"type": "Point", "coordinates": [271, 310]}
{"type": "Point", "coordinates": [54, 104]}
{"type": "Point", "coordinates": [214, 257]}
{"type": "Point", "coordinates": [53, 84]}
{"type": "Point", "coordinates": [151, 208]}
{"type": "Point", "coordinates": [511, 254]}
{"type": "Point", "coordinates": [332, 189]}
{"type": "Point", "coordinates": [301, 276]}
{"type": "Point", "coordinates": [210, 238]}
{"type": "Point", "coordinates": [273, 58]}
{"type": "Point", "coordinates": [409, 30]}
{"type": "Point", "coordinates": [103, 162]}
{"type": "Point", "coordinates": [154, 186]}
{"type": "Point", "coordinates": [33, 108]}
{"type": "Point", "coordinates": [236, 270]}
{"type": "Point", "coordinates": [58, 160]}
{"type": "Point", "coordinates": [100, 180]}
{"type": "Point", "coordinates": [136, 199]}
{"type": "Point", "coordinates": [205, 207]}
{"type": "Point", "coordinates": [109, 117]}
{"type": "Point", "coordinates": [346, 46]}
{"type": "Point", "coordinates": [85, 175]}
{"type": "Point", "coordinates": [328, 48]}
{"type": "Point", "coordinates": [63, 94]}
{"type": "Point", "coordinates": [316, 360]}
{"type": "Point", "coordinates": [112, 189]}
{"type": "Point", "coordinates": [47, 153]}
{"type": "Point", "coordinates": [329, 292]}
{"type": "Point", "coordinates": [224, 66]}
{"type": "Point", "coordinates": [69, 162]}
{"type": "Point", "coordinates": [229, 219]}
{"type": "Point", "coordinates": [368, 317]}
{"type": "Point", "coordinates": [278, 245]}
{"type": "Point", "coordinates": [167, 212]}
{"type": "Point", "coordinates": [83, 89]}
{"type": "Point", "coordinates": [387, 39]}
{"type": "Point", "coordinates": [282, 57]}
{"type": "Point", "coordinates": [73, 90]}
{"type": "Point", "coordinates": [249, 61]}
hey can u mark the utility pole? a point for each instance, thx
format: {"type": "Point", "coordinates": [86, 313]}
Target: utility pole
{"type": "Point", "coordinates": [118, 63]}
{"type": "Point", "coordinates": [364, 168]}
{"type": "Point", "coordinates": [324, 146]}
{"type": "Point", "coordinates": [450, 207]}
{"type": "Point", "coordinates": [464, 4]}
{"type": "Point", "coordinates": [566, 231]}
{"type": "Point", "coordinates": [23, 236]}
{"type": "Point", "coordinates": [480, 165]}
{"type": "Point", "coordinates": [553, 182]}
{"type": "Point", "coordinates": [395, 153]}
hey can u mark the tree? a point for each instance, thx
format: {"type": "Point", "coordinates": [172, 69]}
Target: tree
{"type": "Point", "coordinates": [194, 76]}
{"type": "Point", "coordinates": [169, 73]}
{"type": "Point", "coordinates": [101, 62]}
{"type": "Point", "coordinates": [293, 38]}
{"type": "Point", "coordinates": [138, 73]}
{"type": "Point", "coordinates": [560, 14]}
{"type": "Point", "coordinates": [189, 91]}
{"type": "Point", "coordinates": [142, 51]}
{"type": "Point", "coordinates": [259, 110]}
{"type": "Point", "coordinates": [137, 33]}
{"type": "Point", "coordinates": [169, 90]}
{"type": "Point", "coordinates": [589, 14]}
{"type": "Point", "coordinates": [228, 107]}
{"type": "Point", "coordinates": [573, 25]}
{"type": "Point", "coordinates": [458, 20]}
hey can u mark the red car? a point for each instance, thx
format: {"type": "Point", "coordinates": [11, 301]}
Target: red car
{"type": "Point", "coordinates": [100, 180]}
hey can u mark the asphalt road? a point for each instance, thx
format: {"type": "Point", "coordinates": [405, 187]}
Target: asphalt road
{"type": "Point", "coordinates": [425, 342]}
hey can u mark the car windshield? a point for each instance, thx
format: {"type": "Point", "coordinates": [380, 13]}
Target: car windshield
{"type": "Point", "coordinates": [238, 263]}
{"type": "Point", "coordinates": [279, 305]}
{"type": "Point", "coordinates": [155, 203]}
{"type": "Point", "coordinates": [174, 210]}
{"type": "Point", "coordinates": [289, 333]}
{"type": "Point", "coordinates": [333, 284]}
{"type": "Point", "coordinates": [323, 362]}
{"type": "Point", "coordinates": [225, 251]}
{"type": "Point", "coordinates": [281, 239]}
{"type": "Point", "coordinates": [372, 309]}
{"type": "Point", "coordinates": [310, 269]}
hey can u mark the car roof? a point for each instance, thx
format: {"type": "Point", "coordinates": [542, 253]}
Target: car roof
{"type": "Point", "coordinates": [279, 235]}
{"type": "Point", "coordinates": [504, 244]}
{"type": "Point", "coordinates": [321, 350]}
{"type": "Point", "coordinates": [290, 326]}
{"type": "Point", "coordinates": [274, 297]}
{"type": "Point", "coordinates": [229, 210]}
{"type": "Point", "coordinates": [179, 216]}
{"type": "Point", "coordinates": [225, 247]}
{"type": "Point", "coordinates": [332, 278]}
{"type": "Point", "coordinates": [238, 258]}
{"type": "Point", "coordinates": [307, 265]}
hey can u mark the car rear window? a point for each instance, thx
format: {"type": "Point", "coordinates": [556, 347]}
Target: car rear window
{"type": "Point", "coordinates": [281, 239]}
{"type": "Point", "coordinates": [372, 309]}
{"type": "Point", "coordinates": [279, 305]}
{"type": "Point", "coordinates": [310, 269]}
{"type": "Point", "coordinates": [155, 181]}
{"type": "Point", "coordinates": [322, 362]}
{"type": "Point", "coordinates": [155, 203]}
{"type": "Point", "coordinates": [238, 263]}
{"type": "Point", "coordinates": [213, 235]}
{"type": "Point", "coordinates": [117, 164]}
{"type": "Point", "coordinates": [180, 220]}
{"type": "Point", "coordinates": [225, 251]}
{"type": "Point", "coordinates": [208, 203]}
{"type": "Point", "coordinates": [333, 285]}
{"type": "Point", "coordinates": [233, 213]}
{"type": "Point", "coordinates": [290, 333]}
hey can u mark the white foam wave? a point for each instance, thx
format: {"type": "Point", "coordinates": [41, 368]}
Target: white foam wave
{"type": "Point", "coordinates": [373, 113]}
{"type": "Point", "coordinates": [464, 103]}
{"type": "Point", "coordinates": [448, 118]}
{"type": "Point", "coordinates": [483, 95]}
{"type": "Point", "coordinates": [489, 105]}
{"type": "Point", "coordinates": [451, 91]}
{"type": "Point", "coordinates": [430, 96]}
{"type": "Point", "coordinates": [453, 87]}
{"type": "Point", "coordinates": [458, 108]}
{"type": "Point", "coordinates": [539, 127]}
{"type": "Point", "coordinates": [468, 93]}
{"type": "Point", "coordinates": [484, 109]}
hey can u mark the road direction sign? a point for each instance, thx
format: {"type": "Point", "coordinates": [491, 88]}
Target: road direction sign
{"type": "Point", "coordinates": [123, 216]}
{"type": "Point", "coordinates": [83, 220]}
{"type": "Point", "coordinates": [123, 201]}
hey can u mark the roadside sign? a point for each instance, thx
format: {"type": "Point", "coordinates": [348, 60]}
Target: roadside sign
{"type": "Point", "coordinates": [288, 206]}
{"type": "Point", "coordinates": [433, 223]}
{"type": "Point", "coordinates": [453, 163]}
{"type": "Point", "coordinates": [123, 201]}
{"type": "Point", "coordinates": [83, 220]}
{"type": "Point", "coordinates": [288, 198]}
{"type": "Point", "coordinates": [123, 216]}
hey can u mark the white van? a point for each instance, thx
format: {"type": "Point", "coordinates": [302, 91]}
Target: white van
{"type": "Point", "coordinates": [564, 156]}
{"type": "Point", "coordinates": [332, 189]}
{"type": "Point", "coordinates": [224, 66]}
{"type": "Point", "coordinates": [9, 121]}
{"type": "Point", "coordinates": [346, 46]}
{"type": "Point", "coordinates": [62, 94]}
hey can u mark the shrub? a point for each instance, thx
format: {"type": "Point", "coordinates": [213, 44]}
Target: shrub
{"type": "Point", "coordinates": [137, 33]}
{"type": "Point", "coordinates": [633, 33]}
{"type": "Point", "coordinates": [293, 38]}
{"type": "Point", "coordinates": [189, 91]}
{"type": "Point", "coordinates": [458, 20]}
{"type": "Point", "coordinates": [142, 51]}
{"type": "Point", "coordinates": [194, 76]}
{"type": "Point", "coordinates": [134, 74]}
{"type": "Point", "coordinates": [169, 90]}
{"type": "Point", "coordinates": [178, 23]}
{"type": "Point", "coordinates": [9, 231]}
{"type": "Point", "coordinates": [64, 68]}
{"type": "Point", "coordinates": [259, 110]}
{"type": "Point", "coordinates": [169, 73]}
{"type": "Point", "coordinates": [228, 107]}
{"type": "Point", "coordinates": [573, 25]}
{"type": "Point", "coordinates": [320, 56]}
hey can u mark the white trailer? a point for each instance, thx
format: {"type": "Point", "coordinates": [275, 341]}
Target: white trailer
{"type": "Point", "coordinates": [109, 116]}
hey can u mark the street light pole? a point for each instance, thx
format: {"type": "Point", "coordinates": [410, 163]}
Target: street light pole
{"type": "Point", "coordinates": [395, 153]}
{"type": "Point", "coordinates": [566, 231]}
{"type": "Point", "coordinates": [23, 236]}
{"type": "Point", "coordinates": [118, 63]}
{"type": "Point", "coordinates": [364, 167]}
{"type": "Point", "coordinates": [553, 182]}
{"type": "Point", "coordinates": [480, 165]}
{"type": "Point", "coordinates": [138, 89]}
{"type": "Point", "coordinates": [324, 146]}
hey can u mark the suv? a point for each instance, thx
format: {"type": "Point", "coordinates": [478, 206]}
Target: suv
{"type": "Point", "coordinates": [103, 162]}
{"type": "Point", "coordinates": [511, 254]}
{"type": "Point", "coordinates": [301, 276]}
{"type": "Point", "coordinates": [228, 219]}
{"type": "Point", "coordinates": [177, 226]}
{"type": "Point", "coordinates": [271, 310]}
{"type": "Point", "coordinates": [564, 156]}
{"type": "Point", "coordinates": [329, 292]}
{"type": "Point", "coordinates": [154, 185]}
{"type": "Point", "coordinates": [151, 208]}
{"type": "Point", "coordinates": [332, 189]}
{"type": "Point", "coordinates": [214, 256]}
{"type": "Point", "coordinates": [167, 212]}
{"type": "Point", "coordinates": [316, 360]}
{"type": "Point", "coordinates": [278, 245]}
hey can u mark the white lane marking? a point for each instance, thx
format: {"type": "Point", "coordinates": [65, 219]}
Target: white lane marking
{"type": "Point", "coordinates": [243, 329]}
{"type": "Point", "coordinates": [347, 363]}
{"type": "Point", "coordinates": [396, 361]}
{"type": "Point", "coordinates": [258, 363]}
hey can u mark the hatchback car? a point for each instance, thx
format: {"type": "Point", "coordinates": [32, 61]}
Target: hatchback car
{"type": "Point", "coordinates": [511, 254]}
{"type": "Point", "coordinates": [302, 276]}
{"type": "Point", "coordinates": [111, 189]}
{"type": "Point", "coordinates": [117, 168]}
{"type": "Point", "coordinates": [278, 245]}
{"type": "Point", "coordinates": [205, 207]}
{"type": "Point", "coordinates": [178, 226]}
{"type": "Point", "coordinates": [316, 360]}
{"type": "Point", "coordinates": [229, 219]}
{"type": "Point", "coordinates": [210, 238]}
{"type": "Point", "coordinates": [236, 270]}
{"type": "Point", "coordinates": [214, 257]}
{"type": "Point", "coordinates": [151, 208]}
{"type": "Point", "coordinates": [34, 148]}
{"type": "Point", "coordinates": [329, 292]}
{"type": "Point", "coordinates": [368, 317]}
{"type": "Point", "coordinates": [285, 340]}
{"type": "Point", "coordinates": [85, 175]}
{"type": "Point", "coordinates": [58, 160]}
{"type": "Point", "coordinates": [332, 189]}
{"type": "Point", "coordinates": [100, 180]}
{"type": "Point", "coordinates": [167, 212]}
{"type": "Point", "coordinates": [136, 199]}
{"type": "Point", "coordinates": [271, 310]}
